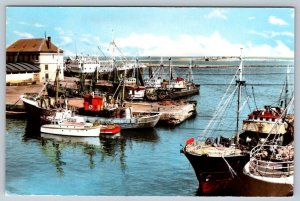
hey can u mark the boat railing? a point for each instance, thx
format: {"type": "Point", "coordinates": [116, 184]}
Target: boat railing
{"type": "Point", "coordinates": [272, 165]}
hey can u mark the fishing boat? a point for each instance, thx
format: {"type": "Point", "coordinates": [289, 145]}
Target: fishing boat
{"type": "Point", "coordinates": [217, 161]}
{"type": "Point", "coordinates": [271, 121]}
{"type": "Point", "coordinates": [71, 126]}
{"type": "Point", "coordinates": [134, 85]}
{"type": "Point", "coordinates": [270, 171]}
{"type": "Point", "coordinates": [173, 88]}
{"type": "Point", "coordinates": [82, 64]}
{"type": "Point", "coordinates": [98, 109]}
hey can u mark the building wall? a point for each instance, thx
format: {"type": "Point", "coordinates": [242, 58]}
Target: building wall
{"type": "Point", "coordinates": [20, 77]}
{"type": "Point", "coordinates": [48, 63]}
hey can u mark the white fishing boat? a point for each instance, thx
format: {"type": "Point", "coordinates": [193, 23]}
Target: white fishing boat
{"type": "Point", "coordinates": [70, 126]}
{"type": "Point", "coordinates": [82, 64]}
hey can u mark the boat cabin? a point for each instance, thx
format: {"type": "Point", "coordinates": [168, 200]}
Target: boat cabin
{"type": "Point", "coordinates": [178, 83]}
{"type": "Point", "coordinates": [93, 103]}
{"type": "Point", "coordinates": [267, 114]}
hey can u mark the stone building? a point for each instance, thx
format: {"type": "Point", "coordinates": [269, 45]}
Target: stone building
{"type": "Point", "coordinates": [34, 59]}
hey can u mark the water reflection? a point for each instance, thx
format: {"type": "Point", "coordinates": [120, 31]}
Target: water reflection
{"type": "Point", "coordinates": [54, 147]}
{"type": "Point", "coordinates": [141, 135]}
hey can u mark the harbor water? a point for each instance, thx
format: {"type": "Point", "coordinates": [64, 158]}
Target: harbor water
{"type": "Point", "coordinates": [139, 162]}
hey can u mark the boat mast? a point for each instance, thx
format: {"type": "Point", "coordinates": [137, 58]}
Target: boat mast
{"type": "Point", "coordinates": [170, 71]}
{"type": "Point", "coordinates": [286, 86]}
{"type": "Point", "coordinates": [56, 78]}
{"type": "Point", "coordinates": [190, 72]}
{"type": "Point", "coordinates": [240, 82]}
{"type": "Point", "coordinates": [123, 90]}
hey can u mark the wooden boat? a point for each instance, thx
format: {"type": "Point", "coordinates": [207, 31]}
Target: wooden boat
{"type": "Point", "coordinates": [270, 171]}
{"type": "Point", "coordinates": [71, 126]}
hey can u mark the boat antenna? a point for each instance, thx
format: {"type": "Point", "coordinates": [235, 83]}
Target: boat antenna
{"type": "Point", "coordinates": [170, 71]}
{"type": "Point", "coordinates": [123, 91]}
{"type": "Point", "coordinates": [57, 77]}
{"type": "Point", "coordinates": [240, 82]}
{"type": "Point", "coordinates": [75, 49]}
{"type": "Point", "coordinates": [190, 73]}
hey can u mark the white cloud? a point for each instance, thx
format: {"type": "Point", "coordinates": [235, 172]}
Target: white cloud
{"type": "Point", "coordinates": [65, 40]}
{"type": "Point", "coordinates": [251, 18]}
{"type": "Point", "coordinates": [277, 21]}
{"type": "Point", "coordinates": [217, 13]}
{"type": "Point", "coordinates": [186, 45]}
{"type": "Point", "coordinates": [23, 23]}
{"type": "Point", "coordinates": [69, 53]}
{"type": "Point", "coordinates": [271, 34]}
{"type": "Point", "coordinates": [280, 50]}
{"type": "Point", "coordinates": [38, 25]}
{"type": "Point", "coordinates": [86, 40]}
{"type": "Point", "coordinates": [23, 34]}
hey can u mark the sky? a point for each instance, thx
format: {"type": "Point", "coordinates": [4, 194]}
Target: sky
{"type": "Point", "coordinates": [158, 31]}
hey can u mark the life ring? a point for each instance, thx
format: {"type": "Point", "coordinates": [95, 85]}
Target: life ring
{"type": "Point", "coordinates": [90, 107]}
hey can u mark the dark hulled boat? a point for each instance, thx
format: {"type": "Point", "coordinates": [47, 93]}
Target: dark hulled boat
{"type": "Point", "coordinates": [216, 168]}
{"type": "Point", "coordinates": [173, 88]}
{"type": "Point", "coordinates": [217, 162]}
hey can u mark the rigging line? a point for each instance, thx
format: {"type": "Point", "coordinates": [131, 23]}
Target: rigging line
{"type": "Point", "coordinates": [254, 97]}
{"type": "Point", "coordinates": [227, 90]}
{"type": "Point", "coordinates": [218, 113]}
{"type": "Point", "coordinates": [231, 170]}
{"type": "Point", "coordinates": [248, 96]}
{"type": "Point", "coordinates": [277, 121]}
{"type": "Point", "coordinates": [222, 117]}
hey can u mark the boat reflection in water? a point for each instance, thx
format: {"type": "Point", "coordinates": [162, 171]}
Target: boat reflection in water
{"type": "Point", "coordinates": [97, 150]}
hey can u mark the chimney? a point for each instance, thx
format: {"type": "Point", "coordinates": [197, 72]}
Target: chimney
{"type": "Point", "coordinates": [48, 42]}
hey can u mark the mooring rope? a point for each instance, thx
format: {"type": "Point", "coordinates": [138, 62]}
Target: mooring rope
{"type": "Point", "coordinates": [231, 170]}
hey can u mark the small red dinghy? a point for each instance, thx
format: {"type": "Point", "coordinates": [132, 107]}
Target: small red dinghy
{"type": "Point", "coordinates": [110, 129]}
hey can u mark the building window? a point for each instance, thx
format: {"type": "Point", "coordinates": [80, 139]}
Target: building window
{"type": "Point", "coordinates": [46, 76]}
{"type": "Point", "coordinates": [46, 67]}
{"type": "Point", "coordinates": [37, 57]}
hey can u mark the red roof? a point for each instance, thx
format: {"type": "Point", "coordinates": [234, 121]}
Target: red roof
{"type": "Point", "coordinates": [33, 45]}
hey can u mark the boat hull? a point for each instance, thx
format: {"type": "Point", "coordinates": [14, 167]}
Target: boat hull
{"type": "Point", "coordinates": [71, 131]}
{"type": "Point", "coordinates": [37, 114]}
{"type": "Point", "coordinates": [213, 173]}
{"type": "Point", "coordinates": [110, 129]}
{"type": "Point", "coordinates": [148, 121]}
{"type": "Point", "coordinates": [258, 186]}
{"type": "Point", "coordinates": [155, 94]}
{"type": "Point", "coordinates": [34, 111]}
